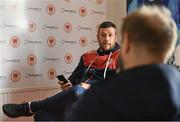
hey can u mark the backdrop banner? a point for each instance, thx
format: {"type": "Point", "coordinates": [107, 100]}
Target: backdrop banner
{"type": "Point", "coordinates": [40, 39]}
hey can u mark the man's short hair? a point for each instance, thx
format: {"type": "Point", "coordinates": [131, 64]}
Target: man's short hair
{"type": "Point", "coordinates": [106, 24]}
{"type": "Point", "coordinates": [152, 27]}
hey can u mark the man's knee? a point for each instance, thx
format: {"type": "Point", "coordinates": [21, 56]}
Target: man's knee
{"type": "Point", "coordinates": [38, 116]}
{"type": "Point", "coordinates": [48, 116]}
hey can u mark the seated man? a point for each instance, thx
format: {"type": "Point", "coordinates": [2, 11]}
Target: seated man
{"type": "Point", "coordinates": [146, 88]}
{"type": "Point", "coordinates": [93, 66]}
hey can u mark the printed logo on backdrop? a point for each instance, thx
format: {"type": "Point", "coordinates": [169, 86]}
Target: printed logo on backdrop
{"type": "Point", "coordinates": [67, 0]}
{"type": "Point", "coordinates": [50, 27]}
{"type": "Point", "coordinates": [84, 28]}
{"type": "Point", "coordinates": [51, 41]}
{"type": "Point", "coordinates": [97, 12]}
{"type": "Point", "coordinates": [83, 41]}
{"type": "Point", "coordinates": [94, 41]}
{"type": "Point", "coordinates": [67, 27]}
{"type": "Point", "coordinates": [13, 7]}
{"type": "Point", "coordinates": [15, 76]}
{"type": "Point", "coordinates": [3, 42]}
{"type": "Point", "coordinates": [32, 42]}
{"type": "Point", "coordinates": [4, 60]}
{"type": "Point", "coordinates": [99, 2]}
{"type": "Point", "coordinates": [68, 58]}
{"type": "Point", "coordinates": [12, 26]}
{"type": "Point", "coordinates": [52, 73]}
{"type": "Point", "coordinates": [68, 41]}
{"type": "Point", "coordinates": [3, 77]}
{"type": "Point", "coordinates": [31, 59]}
{"type": "Point", "coordinates": [47, 59]}
{"type": "Point", "coordinates": [83, 11]}
{"type": "Point", "coordinates": [30, 75]}
{"type": "Point", "coordinates": [64, 10]}
{"type": "Point", "coordinates": [31, 26]}
{"type": "Point", "coordinates": [15, 41]}
{"type": "Point", "coordinates": [50, 9]}
{"type": "Point", "coordinates": [34, 9]}
{"type": "Point", "coordinates": [67, 72]}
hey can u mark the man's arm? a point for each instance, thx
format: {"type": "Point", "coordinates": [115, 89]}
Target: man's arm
{"type": "Point", "coordinates": [76, 77]}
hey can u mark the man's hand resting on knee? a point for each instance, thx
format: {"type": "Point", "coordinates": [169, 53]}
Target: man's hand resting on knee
{"type": "Point", "coordinates": [85, 85]}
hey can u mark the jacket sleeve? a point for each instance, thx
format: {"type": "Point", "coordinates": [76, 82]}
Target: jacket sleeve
{"type": "Point", "coordinates": [76, 77]}
{"type": "Point", "coordinates": [87, 107]}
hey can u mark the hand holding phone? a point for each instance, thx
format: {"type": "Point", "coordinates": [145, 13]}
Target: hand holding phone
{"type": "Point", "coordinates": [64, 84]}
{"type": "Point", "coordinates": [62, 79]}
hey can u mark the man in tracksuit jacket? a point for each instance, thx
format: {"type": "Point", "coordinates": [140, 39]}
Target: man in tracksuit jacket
{"type": "Point", "coordinates": [93, 66]}
{"type": "Point", "coordinates": [146, 88]}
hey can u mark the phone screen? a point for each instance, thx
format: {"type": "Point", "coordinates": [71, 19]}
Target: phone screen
{"type": "Point", "coordinates": [62, 79]}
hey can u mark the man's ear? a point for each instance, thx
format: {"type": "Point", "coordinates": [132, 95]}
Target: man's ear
{"type": "Point", "coordinates": [126, 43]}
{"type": "Point", "coordinates": [97, 37]}
{"type": "Point", "coordinates": [116, 38]}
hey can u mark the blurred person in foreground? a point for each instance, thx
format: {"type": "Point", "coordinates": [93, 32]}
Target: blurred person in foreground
{"type": "Point", "coordinates": [146, 88]}
{"type": "Point", "coordinates": [94, 66]}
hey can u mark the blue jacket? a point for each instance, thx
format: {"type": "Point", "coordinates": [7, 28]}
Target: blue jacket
{"type": "Point", "coordinates": [150, 92]}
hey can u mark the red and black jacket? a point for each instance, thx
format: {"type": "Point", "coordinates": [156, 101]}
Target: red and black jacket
{"type": "Point", "coordinates": [95, 66]}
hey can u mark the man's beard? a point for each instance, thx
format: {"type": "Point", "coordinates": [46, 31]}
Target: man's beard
{"type": "Point", "coordinates": [120, 65]}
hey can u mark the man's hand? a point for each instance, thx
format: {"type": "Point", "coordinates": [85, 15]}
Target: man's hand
{"type": "Point", "coordinates": [85, 85]}
{"type": "Point", "coordinates": [64, 86]}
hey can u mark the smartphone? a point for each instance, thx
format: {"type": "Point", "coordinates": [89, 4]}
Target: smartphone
{"type": "Point", "coordinates": [62, 79]}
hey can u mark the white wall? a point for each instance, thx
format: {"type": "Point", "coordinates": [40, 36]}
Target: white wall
{"type": "Point", "coordinates": [116, 9]}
